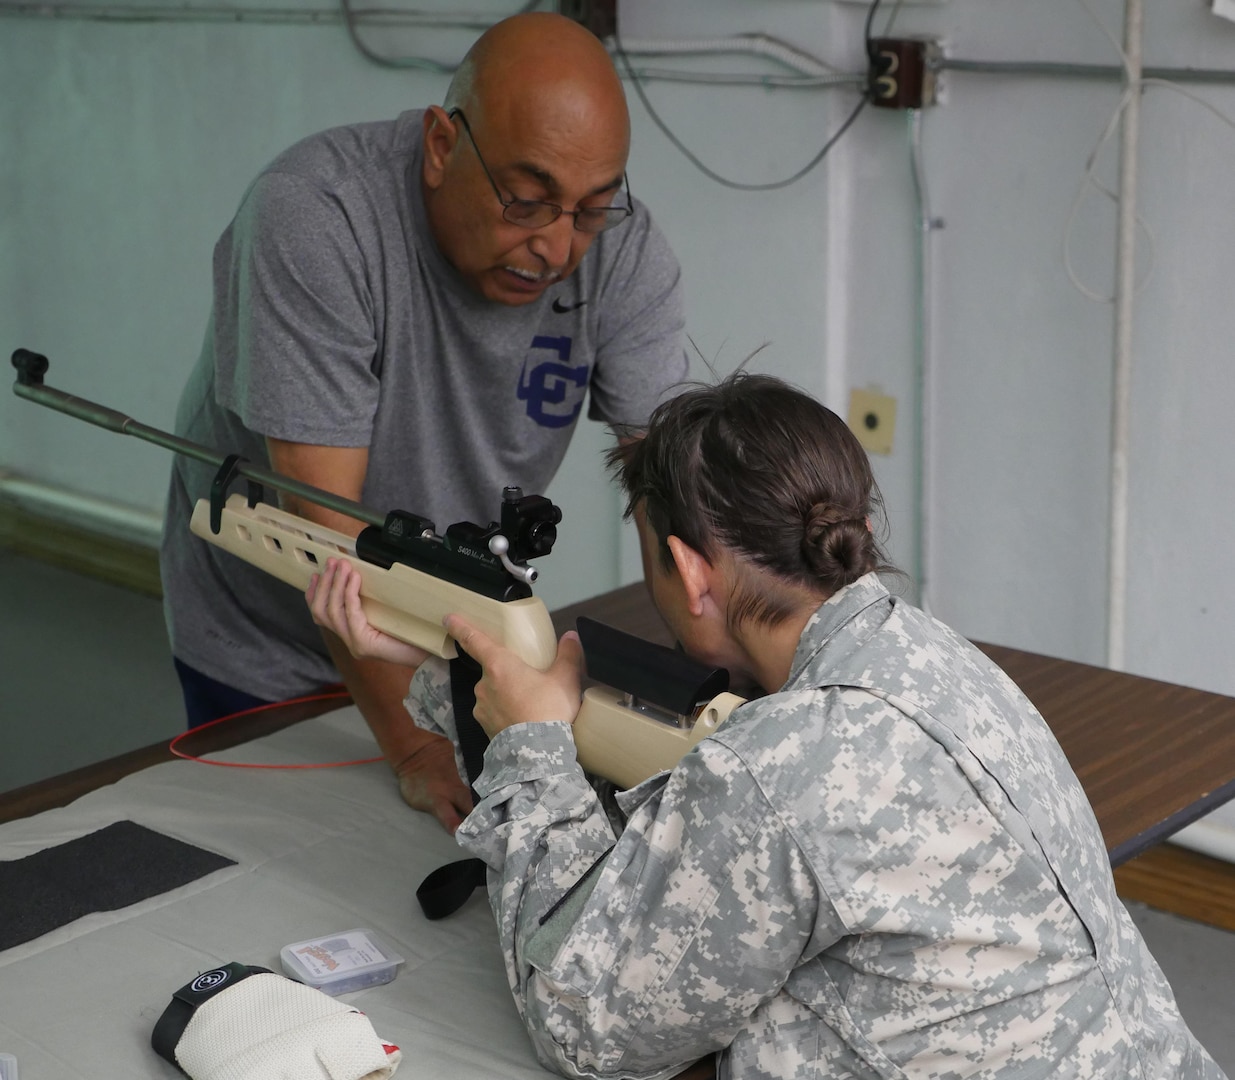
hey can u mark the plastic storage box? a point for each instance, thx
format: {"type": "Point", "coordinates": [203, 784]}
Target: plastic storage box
{"type": "Point", "coordinates": [340, 963]}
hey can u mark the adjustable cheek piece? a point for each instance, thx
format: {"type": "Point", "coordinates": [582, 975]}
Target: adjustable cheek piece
{"type": "Point", "coordinates": [247, 1023]}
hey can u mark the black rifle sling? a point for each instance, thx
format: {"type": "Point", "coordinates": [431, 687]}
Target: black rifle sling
{"type": "Point", "coordinates": [448, 888]}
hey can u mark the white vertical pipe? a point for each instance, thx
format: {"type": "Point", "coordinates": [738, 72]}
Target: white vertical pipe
{"type": "Point", "coordinates": [923, 328]}
{"type": "Point", "coordinates": [839, 244]}
{"type": "Point", "coordinates": [1125, 295]}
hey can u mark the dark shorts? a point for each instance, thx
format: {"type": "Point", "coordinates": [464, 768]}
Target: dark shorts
{"type": "Point", "coordinates": [207, 699]}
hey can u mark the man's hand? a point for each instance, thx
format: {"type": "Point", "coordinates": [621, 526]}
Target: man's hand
{"type": "Point", "coordinates": [511, 691]}
{"type": "Point", "coordinates": [429, 781]}
{"type": "Point", "coordinates": [375, 666]}
{"type": "Point", "coordinates": [334, 599]}
{"type": "Point", "coordinates": [428, 778]}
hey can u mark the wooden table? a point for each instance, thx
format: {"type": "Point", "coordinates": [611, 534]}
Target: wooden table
{"type": "Point", "coordinates": [1152, 756]}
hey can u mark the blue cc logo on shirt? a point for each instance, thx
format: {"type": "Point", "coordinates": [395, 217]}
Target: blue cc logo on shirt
{"type": "Point", "coordinates": [552, 389]}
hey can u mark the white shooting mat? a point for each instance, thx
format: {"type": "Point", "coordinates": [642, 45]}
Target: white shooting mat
{"type": "Point", "coordinates": [318, 851]}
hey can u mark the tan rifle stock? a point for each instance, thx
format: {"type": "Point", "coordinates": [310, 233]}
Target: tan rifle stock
{"type": "Point", "coordinates": [612, 740]}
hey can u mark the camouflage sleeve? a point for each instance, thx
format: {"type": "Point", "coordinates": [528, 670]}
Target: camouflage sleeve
{"type": "Point", "coordinates": [430, 705]}
{"type": "Point", "coordinates": [697, 915]}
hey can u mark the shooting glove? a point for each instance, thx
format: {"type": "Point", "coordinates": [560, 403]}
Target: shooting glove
{"type": "Point", "coordinates": [247, 1023]}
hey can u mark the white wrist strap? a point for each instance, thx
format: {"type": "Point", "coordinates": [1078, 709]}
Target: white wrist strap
{"type": "Point", "coordinates": [266, 1027]}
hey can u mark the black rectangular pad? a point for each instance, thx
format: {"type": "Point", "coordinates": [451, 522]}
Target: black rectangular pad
{"type": "Point", "coordinates": [102, 871]}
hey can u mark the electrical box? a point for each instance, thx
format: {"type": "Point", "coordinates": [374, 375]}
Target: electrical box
{"type": "Point", "coordinates": [902, 73]}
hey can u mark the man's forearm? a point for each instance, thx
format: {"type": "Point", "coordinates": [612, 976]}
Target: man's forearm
{"type": "Point", "coordinates": [424, 763]}
{"type": "Point", "coordinates": [378, 689]}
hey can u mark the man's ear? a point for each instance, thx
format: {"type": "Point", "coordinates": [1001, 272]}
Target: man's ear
{"type": "Point", "coordinates": [695, 572]}
{"type": "Point", "coordinates": [440, 137]}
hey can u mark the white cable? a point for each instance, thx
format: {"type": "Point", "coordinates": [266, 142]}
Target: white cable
{"type": "Point", "coordinates": [786, 82]}
{"type": "Point", "coordinates": [1090, 180]}
{"type": "Point", "coordinates": [748, 44]}
{"type": "Point", "coordinates": [1167, 84]}
{"type": "Point", "coordinates": [235, 14]}
{"type": "Point", "coordinates": [1119, 48]}
{"type": "Point", "coordinates": [1132, 88]}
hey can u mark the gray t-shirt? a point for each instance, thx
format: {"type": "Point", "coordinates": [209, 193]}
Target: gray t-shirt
{"type": "Point", "coordinates": [338, 322]}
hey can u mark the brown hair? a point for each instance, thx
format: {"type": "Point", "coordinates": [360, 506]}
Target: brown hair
{"type": "Point", "coordinates": [759, 468]}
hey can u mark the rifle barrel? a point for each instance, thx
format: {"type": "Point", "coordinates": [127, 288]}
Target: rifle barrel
{"type": "Point", "coordinates": [30, 369]}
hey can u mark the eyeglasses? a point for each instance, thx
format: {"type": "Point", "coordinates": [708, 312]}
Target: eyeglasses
{"type": "Point", "coordinates": [536, 214]}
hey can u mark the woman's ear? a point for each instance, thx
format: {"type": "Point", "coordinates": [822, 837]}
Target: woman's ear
{"type": "Point", "coordinates": [696, 574]}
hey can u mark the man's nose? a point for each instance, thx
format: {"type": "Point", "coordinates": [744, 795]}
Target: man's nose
{"type": "Point", "coordinates": [552, 242]}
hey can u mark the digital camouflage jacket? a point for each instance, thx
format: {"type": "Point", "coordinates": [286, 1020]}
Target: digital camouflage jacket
{"type": "Point", "coordinates": [885, 869]}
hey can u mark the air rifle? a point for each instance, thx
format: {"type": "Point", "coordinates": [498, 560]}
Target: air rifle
{"type": "Point", "coordinates": [655, 703]}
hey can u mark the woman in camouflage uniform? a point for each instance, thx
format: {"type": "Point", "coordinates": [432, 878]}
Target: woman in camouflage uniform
{"type": "Point", "coordinates": [883, 867]}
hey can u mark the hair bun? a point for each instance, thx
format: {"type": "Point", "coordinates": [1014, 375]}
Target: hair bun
{"type": "Point", "coordinates": [823, 516]}
{"type": "Point", "coordinates": [836, 541]}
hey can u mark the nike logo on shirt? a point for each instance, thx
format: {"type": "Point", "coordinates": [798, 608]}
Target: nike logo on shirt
{"type": "Point", "coordinates": [562, 309]}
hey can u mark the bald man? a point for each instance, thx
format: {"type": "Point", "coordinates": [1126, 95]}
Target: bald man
{"type": "Point", "coordinates": [411, 314]}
